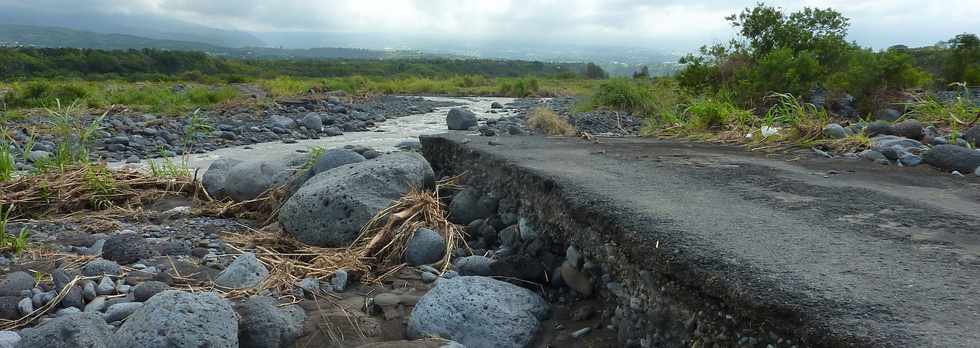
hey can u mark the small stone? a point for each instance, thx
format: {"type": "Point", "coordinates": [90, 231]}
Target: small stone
{"type": "Point", "coordinates": [245, 272]}
{"type": "Point", "coordinates": [73, 298]}
{"type": "Point", "coordinates": [144, 291]}
{"type": "Point", "coordinates": [581, 332]}
{"type": "Point", "coordinates": [309, 285]}
{"type": "Point", "coordinates": [25, 306]}
{"type": "Point", "coordinates": [106, 286]}
{"type": "Point", "coordinates": [834, 131]}
{"type": "Point", "coordinates": [9, 339]}
{"type": "Point", "coordinates": [425, 247]}
{"type": "Point", "coordinates": [576, 280]}
{"type": "Point", "coordinates": [60, 278]}
{"type": "Point", "coordinates": [339, 281]}
{"type": "Point", "coordinates": [475, 265]}
{"type": "Point", "coordinates": [96, 305]}
{"type": "Point", "coordinates": [15, 283]}
{"type": "Point", "coordinates": [429, 277]}
{"type": "Point", "coordinates": [88, 290]}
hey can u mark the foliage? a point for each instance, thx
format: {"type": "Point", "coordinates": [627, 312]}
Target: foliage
{"type": "Point", "coordinates": [623, 94]}
{"type": "Point", "coordinates": [593, 71]}
{"type": "Point", "coordinates": [8, 242]}
{"type": "Point", "coordinates": [7, 164]}
{"type": "Point", "coordinates": [73, 134]}
{"type": "Point", "coordinates": [549, 122]}
{"type": "Point", "coordinates": [707, 113]}
{"type": "Point", "coordinates": [170, 65]}
{"type": "Point", "coordinates": [99, 181]}
{"type": "Point", "coordinates": [963, 64]}
{"type": "Point", "coordinates": [958, 113]}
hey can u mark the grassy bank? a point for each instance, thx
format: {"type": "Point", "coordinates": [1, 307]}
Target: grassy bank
{"type": "Point", "coordinates": [171, 98]}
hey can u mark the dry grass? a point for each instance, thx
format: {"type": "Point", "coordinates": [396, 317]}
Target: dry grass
{"type": "Point", "coordinates": [85, 188]}
{"type": "Point", "coordinates": [549, 122]}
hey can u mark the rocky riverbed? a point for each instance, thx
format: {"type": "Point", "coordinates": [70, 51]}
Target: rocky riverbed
{"type": "Point", "coordinates": [172, 273]}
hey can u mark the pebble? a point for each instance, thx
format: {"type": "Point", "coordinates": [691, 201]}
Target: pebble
{"type": "Point", "coordinates": [429, 277]}
{"type": "Point", "coordinates": [581, 332]}
{"type": "Point", "coordinates": [88, 290]}
{"type": "Point", "coordinates": [106, 286]}
{"type": "Point", "coordinates": [96, 305]}
{"type": "Point", "coordinates": [25, 306]}
{"type": "Point", "coordinates": [339, 281]}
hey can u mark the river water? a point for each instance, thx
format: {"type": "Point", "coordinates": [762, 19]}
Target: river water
{"type": "Point", "coordinates": [383, 138]}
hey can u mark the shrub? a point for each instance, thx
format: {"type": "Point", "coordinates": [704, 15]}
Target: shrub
{"type": "Point", "coordinates": [711, 113]}
{"type": "Point", "coordinates": [623, 94]}
{"type": "Point", "coordinates": [549, 122]}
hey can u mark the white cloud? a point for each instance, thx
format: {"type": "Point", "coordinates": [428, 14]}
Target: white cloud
{"type": "Point", "coordinates": [677, 23]}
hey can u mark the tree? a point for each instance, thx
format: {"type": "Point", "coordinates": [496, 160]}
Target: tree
{"type": "Point", "coordinates": [643, 73]}
{"type": "Point", "coordinates": [963, 63]}
{"type": "Point", "coordinates": [767, 28]}
{"type": "Point", "coordinates": [593, 71]}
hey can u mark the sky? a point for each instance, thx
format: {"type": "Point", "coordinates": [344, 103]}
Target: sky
{"type": "Point", "coordinates": [675, 25]}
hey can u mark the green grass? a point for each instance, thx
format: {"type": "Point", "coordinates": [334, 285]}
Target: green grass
{"type": "Point", "coordinates": [9, 242]}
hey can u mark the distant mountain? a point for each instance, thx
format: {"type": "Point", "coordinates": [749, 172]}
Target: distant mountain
{"type": "Point", "coordinates": [148, 26]}
{"type": "Point", "coordinates": [35, 36]}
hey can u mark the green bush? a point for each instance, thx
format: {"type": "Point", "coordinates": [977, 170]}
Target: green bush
{"type": "Point", "coordinates": [712, 113]}
{"type": "Point", "coordinates": [624, 94]}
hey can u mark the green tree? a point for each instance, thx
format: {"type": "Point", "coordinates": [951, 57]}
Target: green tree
{"type": "Point", "coordinates": [643, 73]}
{"type": "Point", "coordinates": [963, 63]}
{"type": "Point", "coordinates": [593, 71]}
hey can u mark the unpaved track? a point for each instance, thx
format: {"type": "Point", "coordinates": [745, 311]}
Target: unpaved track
{"type": "Point", "coordinates": [836, 252]}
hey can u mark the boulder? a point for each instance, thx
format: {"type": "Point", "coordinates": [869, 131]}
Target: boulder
{"type": "Point", "coordinates": [179, 319]}
{"type": "Point", "coordinates": [80, 330]}
{"type": "Point", "coordinates": [14, 284]}
{"type": "Point", "coordinates": [953, 157]}
{"type": "Point", "coordinates": [312, 121]}
{"type": "Point", "coordinates": [214, 177]}
{"type": "Point", "coordinates": [264, 324]}
{"type": "Point", "coordinates": [911, 129]}
{"type": "Point", "coordinates": [425, 247]}
{"type": "Point", "coordinates": [460, 119]}
{"type": "Point", "coordinates": [99, 267]}
{"type": "Point", "coordinates": [9, 307]}
{"type": "Point", "coordinates": [972, 136]}
{"type": "Point", "coordinates": [470, 204]}
{"type": "Point", "coordinates": [496, 105]}
{"type": "Point", "coordinates": [245, 272]}
{"type": "Point", "coordinates": [333, 206]}
{"type": "Point", "coordinates": [145, 290]}
{"type": "Point", "coordinates": [478, 312]}
{"type": "Point", "coordinates": [279, 121]}
{"type": "Point", "coordinates": [475, 265]}
{"type": "Point", "coordinates": [330, 159]}
{"type": "Point", "coordinates": [248, 180]}
{"type": "Point", "coordinates": [9, 339]}
{"type": "Point", "coordinates": [127, 248]}
{"type": "Point", "coordinates": [877, 128]}
{"type": "Point", "coordinates": [834, 131]}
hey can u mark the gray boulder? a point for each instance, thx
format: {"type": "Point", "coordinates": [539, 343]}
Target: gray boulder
{"type": "Point", "coordinates": [9, 307]}
{"type": "Point", "coordinates": [332, 207]}
{"type": "Point", "coordinates": [280, 121]}
{"type": "Point", "coordinates": [80, 330]}
{"type": "Point", "coordinates": [911, 129]}
{"type": "Point", "coordinates": [14, 284]}
{"type": "Point", "coordinates": [312, 121]}
{"type": "Point", "coordinates": [469, 205]}
{"type": "Point", "coordinates": [127, 248]}
{"type": "Point", "coordinates": [475, 265]}
{"type": "Point", "coordinates": [245, 272]}
{"type": "Point", "coordinates": [9, 339]}
{"type": "Point", "coordinates": [425, 247]}
{"type": "Point", "coordinates": [179, 319]}
{"type": "Point", "coordinates": [972, 136]}
{"type": "Point", "coordinates": [952, 157]}
{"type": "Point", "coordinates": [479, 312]}
{"type": "Point", "coordinates": [99, 267]}
{"type": "Point", "coordinates": [248, 180]}
{"type": "Point", "coordinates": [145, 290]}
{"type": "Point", "coordinates": [214, 177]}
{"type": "Point", "coordinates": [834, 131]}
{"type": "Point", "coordinates": [877, 128]}
{"type": "Point", "coordinates": [335, 158]}
{"type": "Point", "coordinates": [496, 105]}
{"type": "Point", "coordinates": [266, 325]}
{"type": "Point", "coordinates": [460, 119]}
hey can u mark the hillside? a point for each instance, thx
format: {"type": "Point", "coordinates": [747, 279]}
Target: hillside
{"type": "Point", "coordinates": [13, 35]}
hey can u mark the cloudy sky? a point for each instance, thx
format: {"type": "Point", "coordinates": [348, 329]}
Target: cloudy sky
{"type": "Point", "coordinates": [673, 24]}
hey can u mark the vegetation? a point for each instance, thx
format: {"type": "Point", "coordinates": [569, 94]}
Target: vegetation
{"type": "Point", "coordinates": [549, 122]}
{"type": "Point", "coordinates": [10, 242]}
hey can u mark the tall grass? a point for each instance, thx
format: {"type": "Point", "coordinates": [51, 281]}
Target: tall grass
{"type": "Point", "coordinates": [73, 134]}
{"type": "Point", "coordinates": [154, 97]}
{"type": "Point", "coordinates": [549, 122]}
{"type": "Point", "coordinates": [8, 241]}
{"type": "Point", "coordinates": [7, 164]}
